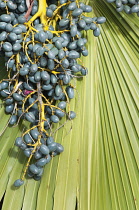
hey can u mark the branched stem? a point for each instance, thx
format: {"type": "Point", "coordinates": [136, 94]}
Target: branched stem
{"type": "Point", "coordinates": [41, 107]}
{"type": "Point", "coordinates": [41, 13]}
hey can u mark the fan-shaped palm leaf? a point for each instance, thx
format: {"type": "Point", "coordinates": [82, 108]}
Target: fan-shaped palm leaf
{"type": "Point", "coordinates": [99, 167]}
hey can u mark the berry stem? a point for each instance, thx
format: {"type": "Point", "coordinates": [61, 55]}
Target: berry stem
{"type": "Point", "coordinates": [41, 13]}
{"type": "Point", "coordinates": [41, 107]}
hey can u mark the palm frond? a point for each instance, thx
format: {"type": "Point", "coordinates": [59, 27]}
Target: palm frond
{"type": "Point", "coordinates": [99, 167]}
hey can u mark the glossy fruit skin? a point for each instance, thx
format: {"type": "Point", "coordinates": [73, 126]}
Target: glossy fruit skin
{"type": "Point", "coordinates": [72, 6]}
{"type": "Point", "coordinates": [5, 18]}
{"type": "Point", "coordinates": [17, 47]}
{"type": "Point", "coordinates": [53, 79]}
{"type": "Point", "coordinates": [50, 140]}
{"type": "Point", "coordinates": [37, 155]}
{"type": "Point", "coordinates": [23, 146]}
{"type": "Point", "coordinates": [41, 162]}
{"type": "Point", "coordinates": [30, 117]}
{"type": "Point", "coordinates": [3, 36]}
{"type": "Point", "coordinates": [101, 20]}
{"type": "Point", "coordinates": [27, 139]}
{"type": "Point", "coordinates": [58, 90]}
{"type": "Point", "coordinates": [49, 12]}
{"type": "Point", "coordinates": [7, 47]}
{"type": "Point", "coordinates": [17, 97]}
{"type": "Point", "coordinates": [28, 86]}
{"type": "Point", "coordinates": [64, 22]}
{"type": "Point", "coordinates": [3, 25]}
{"type": "Point", "coordinates": [70, 92]}
{"type": "Point", "coordinates": [17, 30]}
{"type": "Point", "coordinates": [42, 63]}
{"type": "Point", "coordinates": [74, 54]}
{"type": "Point", "coordinates": [47, 87]}
{"type": "Point", "coordinates": [12, 36]}
{"type": "Point", "coordinates": [52, 147]}
{"type": "Point", "coordinates": [44, 76]}
{"type": "Point", "coordinates": [88, 8]}
{"type": "Point", "coordinates": [54, 119]}
{"type": "Point", "coordinates": [96, 32]}
{"type": "Point", "coordinates": [3, 85]}
{"type": "Point", "coordinates": [9, 101]}
{"type": "Point", "coordinates": [13, 120]}
{"type": "Point", "coordinates": [135, 9]}
{"type": "Point", "coordinates": [59, 148]}
{"type": "Point", "coordinates": [59, 113]}
{"type": "Point", "coordinates": [77, 12]}
{"type": "Point", "coordinates": [128, 6]}
{"type": "Point", "coordinates": [18, 141]}
{"type": "Point", "coordinates": [27, 152]}
{"type": "Point", "coordinates": [35, 133]}
{"type": "Point", "coordinates": [18, 183]}
{"type": "Point", "coordinates": [44, 149]}
{"type": "Point", "coordinates": [73, 30]}
{"type": "Point", "coordinates": [33, 169]}
{"type": "Point", "coordinates": [9, 108]}
{"type": "Point", "coordinates": [4, 93]}
{"type": "Point", "coordinates": [23, 71]}
{"type": "Point", "coordinates": [72, 114]}
{"type": "Point", "coordinates": [33, 68]}
{"type": "Point", "coordinates": [62, 105]}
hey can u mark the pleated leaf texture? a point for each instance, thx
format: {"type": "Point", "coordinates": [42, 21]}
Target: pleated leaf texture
{"type": "Point", "coordinates": [99, 168]}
